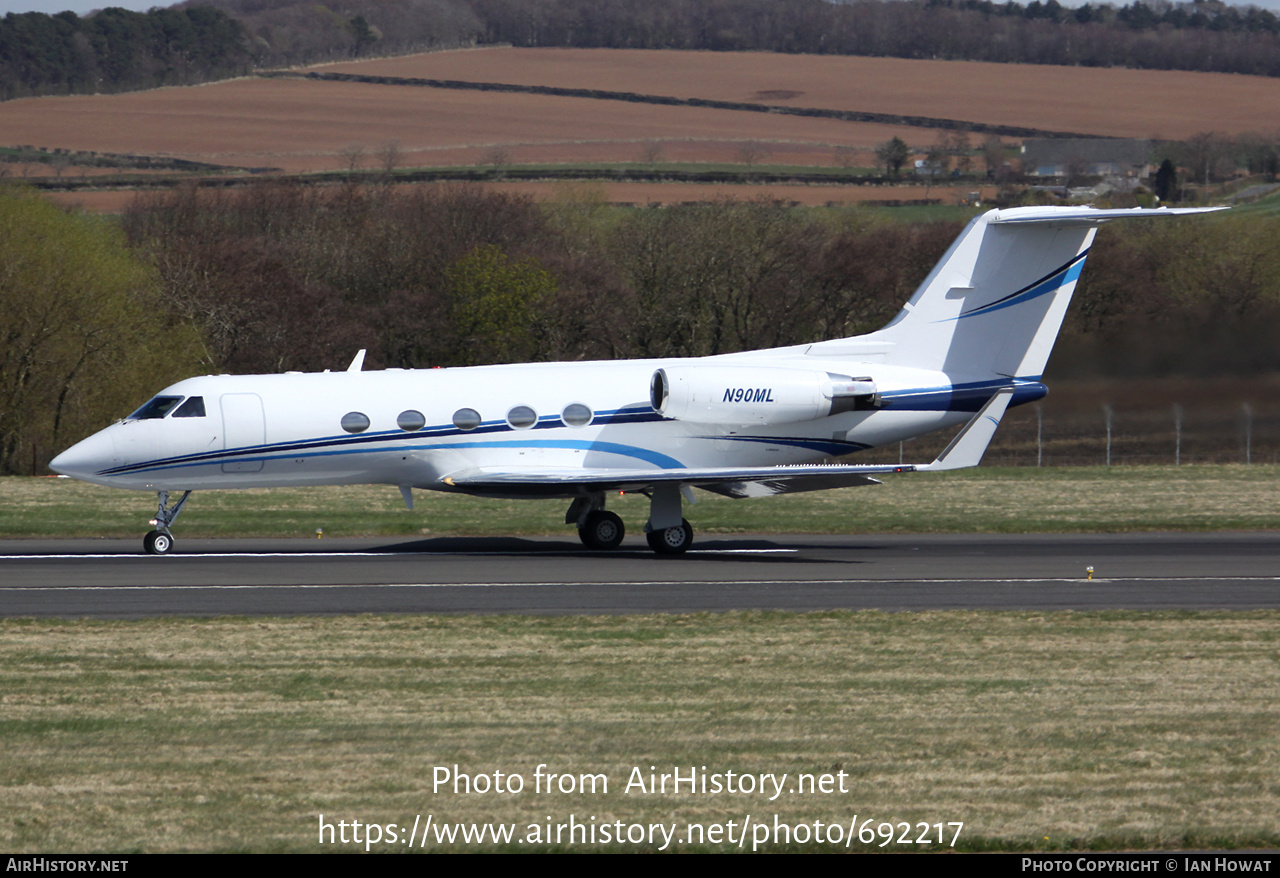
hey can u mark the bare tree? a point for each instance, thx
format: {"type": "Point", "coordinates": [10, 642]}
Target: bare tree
{"type": "Point", "coordinates": [651, 152]}
{"type": "Point", "coordinates": [752, 152]}
{"type": "Point", "coordinates": [389, 155]}
{"type": "Point", "coordinates": [497, 157]}
{"type": "Point", "coordinates": [60, 162]}
{"type": "Point", "coordinates": [1207, 156]}
{"type": "Point", "coordinates": [958, 147]}
{"type": "Point", "coordinates": [846, 156]}
{"type": "Point", "coordinates": [936, 162]}
{"type": "Point", "coordinates": [352, 157]}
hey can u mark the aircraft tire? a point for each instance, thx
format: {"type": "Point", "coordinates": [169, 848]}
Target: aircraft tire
{"type": "Point", "coordinates": [671, 540]}
{"type": "Point", "coordinates": [157, 543]}
{"type": "Point", "coordinates": [603, 530]}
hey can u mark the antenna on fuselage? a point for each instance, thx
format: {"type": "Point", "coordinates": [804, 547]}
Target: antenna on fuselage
{"type": "Point", "coordinates": [358, 363]}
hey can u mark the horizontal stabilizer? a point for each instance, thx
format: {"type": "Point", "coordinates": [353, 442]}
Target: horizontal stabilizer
{"type": "Point", "coordinates": [1069, 216]}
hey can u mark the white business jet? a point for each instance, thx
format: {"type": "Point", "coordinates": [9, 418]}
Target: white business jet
{"type": "Point", "coordinates": [972, 341]}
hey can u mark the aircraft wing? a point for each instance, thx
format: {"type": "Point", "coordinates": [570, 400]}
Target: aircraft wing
{"type": "Point", "coordinates": [730, 481]}
{"type": "Point", "coordinates": [965, 450]}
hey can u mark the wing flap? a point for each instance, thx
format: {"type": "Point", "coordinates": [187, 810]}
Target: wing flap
{"type": "Point", "coordinates": [729, 481]}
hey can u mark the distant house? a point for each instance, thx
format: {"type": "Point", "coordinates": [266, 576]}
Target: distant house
{"type": "Point", "coordinates": [1092, 157]}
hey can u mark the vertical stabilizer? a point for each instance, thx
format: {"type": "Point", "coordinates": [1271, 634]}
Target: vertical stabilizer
{"type": "Point", "coordinates": [995, 302]}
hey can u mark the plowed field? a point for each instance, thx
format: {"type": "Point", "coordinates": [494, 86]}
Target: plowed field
{"type": "Point", "coordinates": [1090, 100]}
{"type": "Point", "coordinates": [300, 125]}
{"type": "Point", "coordinates": [303, 125]}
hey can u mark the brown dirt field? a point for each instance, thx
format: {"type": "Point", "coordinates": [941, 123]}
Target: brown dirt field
{"type": "Point", "coordinates": [300, 125]}
{"type": "Point", "coordinates": [307, 126]}
{"type": "Point", "coordinates": [1103, 101]}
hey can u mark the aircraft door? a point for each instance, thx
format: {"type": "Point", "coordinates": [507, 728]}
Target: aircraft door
{"type": "Point", "coordinates": [243, 426]}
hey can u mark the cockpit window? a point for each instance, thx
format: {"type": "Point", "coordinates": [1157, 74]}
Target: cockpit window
{"type": "Point", "coordinates": [156, 408]}
{"type": "Point", "coordinates": [192, 408]}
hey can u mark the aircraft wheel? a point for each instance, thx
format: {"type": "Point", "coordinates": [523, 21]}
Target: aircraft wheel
{"type": "Point", "coordinates": [671, 540]}
{"type": "Point", "coordinates": [157, 543]}
{"type": "Point", "coordinates": [603, 530]}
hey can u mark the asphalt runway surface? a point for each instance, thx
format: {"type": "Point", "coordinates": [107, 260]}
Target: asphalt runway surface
{"type": "Point", "coordinates": [1165, 571]}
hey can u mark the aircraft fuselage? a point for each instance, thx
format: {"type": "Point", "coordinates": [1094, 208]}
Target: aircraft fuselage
{"type": "Point", "coordinates": [415, 427]}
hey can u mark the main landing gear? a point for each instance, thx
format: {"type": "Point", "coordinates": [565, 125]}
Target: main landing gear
{"type": "Point", "coordinates": [602, 530]}
{"type": "Point", "coordinates": [667, 531]}
{"type": "Point", "coordinates": [596, 528]}
{"type": "Point", "coordinates": [160, 540]}
{"type": "Point", "coordinates": [671, 540]}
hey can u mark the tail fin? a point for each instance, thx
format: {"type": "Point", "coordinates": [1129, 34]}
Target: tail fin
{"type": "Point", "coordinates": [994, 304]}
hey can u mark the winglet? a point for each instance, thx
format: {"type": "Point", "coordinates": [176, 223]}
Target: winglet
{"type": "Point", "coordinates": [971, 442]}
{"type": "Point", "coordinates": [358, 363]}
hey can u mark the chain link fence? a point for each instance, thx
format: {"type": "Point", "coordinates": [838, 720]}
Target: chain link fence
{"type": "Point", "coordinates": [1164, 421]}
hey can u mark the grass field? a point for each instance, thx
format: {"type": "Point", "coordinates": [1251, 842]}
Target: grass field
{"type": "Point", "coordinates": [987, 499]}
{"type": "Point", "coordinates": [1037, 731]}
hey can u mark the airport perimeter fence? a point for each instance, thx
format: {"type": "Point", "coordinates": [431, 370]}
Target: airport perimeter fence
{"type": "Point", "coordinates": [1150, 423]}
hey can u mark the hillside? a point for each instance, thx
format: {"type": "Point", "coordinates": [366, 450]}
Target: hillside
{"type": "Point", "coordinates": [298, 125]}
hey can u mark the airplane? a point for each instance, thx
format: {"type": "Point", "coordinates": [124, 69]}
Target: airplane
{"type": "Point", "coordinates": [972, 341]}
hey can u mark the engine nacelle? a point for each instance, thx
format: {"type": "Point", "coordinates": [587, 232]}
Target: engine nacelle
{"type": "Point", "coordinates": [765, 396]}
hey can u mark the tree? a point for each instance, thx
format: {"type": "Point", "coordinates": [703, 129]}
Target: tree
{"type": "Point", "coordinates": [497, 303]}
{"type": "Point", "coordinates": [893, 154]}
{"type": "Point", "coordinates": [389, 156]}
{"type": "Point", "coordinates": [1166, 182]}
{"type": "Point", "coordinates": [85, 338]}
{"type": "Point", "coordinates": [651, 152]}
{"type": "Point", "coordinates": [957, 145]}
{"type": "Point", "coordinates": [993, 156]}
{"type": "Point", "coordinates": [497, 156]}
{"type": "Point", "coordinates": [352, 157]}
{"type": "Point", "coordinates": [752, 152]}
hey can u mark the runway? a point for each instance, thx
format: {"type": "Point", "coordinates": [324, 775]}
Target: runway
{"type": "Point", "coordinates": [1164, 571]}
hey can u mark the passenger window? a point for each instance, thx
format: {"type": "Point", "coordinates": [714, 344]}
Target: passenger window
{"type": "Point", "coordinates": [192, 408]}
{"type": "Point", "coordinates": [355, 422]}
{"type": "Point", "coordinates": [466, 419]}
{"type": "Point", "coordinates": [410, 421]}
{"type": "Point", "coordinates": [522, 417]}
{"type": "Point", "coordinates": [576, 414]}
{"type": "Point", "coordinates": [155, 408]}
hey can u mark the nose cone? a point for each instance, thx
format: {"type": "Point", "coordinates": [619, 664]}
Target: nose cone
{"type": "Point", "coordinates": [86, 459]}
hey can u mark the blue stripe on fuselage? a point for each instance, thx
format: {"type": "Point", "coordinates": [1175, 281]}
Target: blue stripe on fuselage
{"type": "Point", "coordinates": [968, 397]}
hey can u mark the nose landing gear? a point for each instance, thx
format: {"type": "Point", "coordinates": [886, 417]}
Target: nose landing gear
{"type": "Point", "coordinates": [160, 540]}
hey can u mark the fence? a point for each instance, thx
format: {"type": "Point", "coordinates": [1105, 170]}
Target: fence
{"type": "Point", "coordinates": [1165, 421]}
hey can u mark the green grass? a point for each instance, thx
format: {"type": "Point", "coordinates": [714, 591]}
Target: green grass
{"type": "Point", "coordinates": [1063, 731]}
{"type": "Point", "coordinates": [987, 499]}
{"type": "Point", "coordinates": [1267, 205]}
